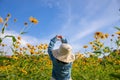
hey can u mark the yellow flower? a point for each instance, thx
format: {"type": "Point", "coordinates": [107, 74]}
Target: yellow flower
{"type": "Point", "coordinates": [99, 59]}
{"type": "Point", "coordinates": [32, 47]}
{"type": "Point", "coordinates": [118, 32]}
{"type": "Point", "coordinates": [91, 43]}
{"type": "Point", "coordinates": [36, 52]}
{"type": "Point", "coordinates": [45, 46]}
{"type": "Point", "coordinates": [85, 46]}
{"type": "Point", "coordinates": [95, 48]}
{"type": "Point", "coordinates": [19, 38]}
{"type": "Point", "coordinates": [106, 35]}
{"type": "Point", "coordinates": [15, 57]}
{"type": "Point", "coordinates": [18, 43]}
{"type": "Point", "coordinates": [24, 71]}
{"type": "Point", "coordinates": [3, 45]}
{"type": "Point", "coordinates": [21, 49]}
{"type": "Point", "coordinates": [28, 45]}
{"type": "Point", "coordinates": [8, 15]}
{"type": "Point", "coordinates": [102, 36]}
{"type": "Point", "coordinates": [1, 20]}
{"type": "Point", "coordinates": [6, 19]}
{"type": "Point", "coordinates": [33, 20]}
{"type": "Point", "coordinates": [98, 34]}
{"type": "Point", "coordinates": [79, 55]}
{"type": "Point", "coordinates": [16, 46]}
{"type": "Point", "coordinates": [32, 51]}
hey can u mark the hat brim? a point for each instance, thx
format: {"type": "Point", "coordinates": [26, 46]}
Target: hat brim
{"type": "Point", "coordinates": [64, 58]}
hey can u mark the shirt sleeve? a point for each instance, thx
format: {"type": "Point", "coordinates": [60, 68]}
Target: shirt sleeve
{"type": "Point", "coordinates": [64, 40]}
{"type": "Point", "coordinates": [51, 46]}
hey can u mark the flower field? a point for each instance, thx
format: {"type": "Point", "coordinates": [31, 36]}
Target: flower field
{"type": "Point", "coordinates": [30, 67]}
{"type": "Point", "coordinates": [30, 62]}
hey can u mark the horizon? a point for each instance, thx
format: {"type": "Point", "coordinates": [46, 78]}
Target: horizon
{"type": "Point", "coordinates": [75, 20]}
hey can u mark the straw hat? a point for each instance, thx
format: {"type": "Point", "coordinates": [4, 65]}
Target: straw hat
{"type": "Point", "coordinates": [64, 53]}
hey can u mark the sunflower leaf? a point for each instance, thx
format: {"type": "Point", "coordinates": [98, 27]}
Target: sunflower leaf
{"type": "Point", "coordinates": [13, 37]}
{"type": "Point", "coordinates": [117, 28]}
{"type": "Point", "coordinates": [0, 40]}
{"type": "Point", "coordinates": [3, 29]}
{"type": "Point", "coordinates": [97, 51]}
{"type": "Point", "coordinates": [23, 32]}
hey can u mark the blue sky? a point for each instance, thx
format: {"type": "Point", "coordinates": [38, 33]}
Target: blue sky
{"type": "Point", "coordinates": [77, 20]}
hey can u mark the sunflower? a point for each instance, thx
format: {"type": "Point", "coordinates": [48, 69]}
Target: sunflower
{"type": "Point", "coordinates": [99, 59]}
{"type": "Point", "coordinates": [33, 20]}
{"type": "Point", "coordinates": [102, 36]}
{"type": "Point", "coordinates": [118, 32]}
{"type": "Point", "coordinates": [98, 35]}
{"type": "Point", "coordinates": [19, 38]}
{"type": "Point", "coordinates": [90, 43]}
{"type": "Point", "coordinates": [106, 35]}
{"type": "Point", "coordinates": [24, 71]}
{"type": "Point", "coordinates": [1, 20]}
{"type": "Point", "coordinates": [8, 15]}
{"type": "Point", "coordinates": [85, 46]}
{"type": "Point", "coordinates": [28, 45]}
{"type": "Point", "coordinates": [32, 51]}
{"type": "Point", "coordinates": [6, 19]}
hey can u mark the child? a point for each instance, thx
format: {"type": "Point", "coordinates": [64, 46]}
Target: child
{"type": "Point", "coordinates": [62, 59]}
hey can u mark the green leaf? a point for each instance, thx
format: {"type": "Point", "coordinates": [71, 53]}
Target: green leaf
{"type": "Point", "coordinates": [118, 42]}
{"type": "Point", "coordinates": [13, 37]}
{"type": "Point", "coordinates": [97, 51]}
{"type": "Point", "coordinates": [96, 44]}
{"type": "Point", "coordinates": [115, 75]}
{"type": "Point", "coordinates": [117, 28]}
{"type": "Point", "coordinates": [23, 32]}
{"type": "Point", "coordinates": [106, 50]}
{"type": "Point", "coordinates": [3, 29]}
{"type": "Point", "coordinates": [12, 49]}
{"type": "Point", "coordinates": [0, 40]}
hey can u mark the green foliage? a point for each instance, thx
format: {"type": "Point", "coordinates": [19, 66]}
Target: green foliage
{"type": "Point", "coordinates": [115, 75]}
{"type": "Point", "coordinates": [40, 68]}
{"type": "Point", "coordinates": [23, 32]}
{"type": "Point", "coordinates": [11, 36]}
{"type": "Point", "coordinates": [117, 28]}
{"type": "Point", "coordinates": [106, 50]}
{"type": "Point", "coordinates": [118, 42]}
{"type": "Point", "coordinates": [3, 29]}
{"type": "Point", "coordinates": [0, 40]}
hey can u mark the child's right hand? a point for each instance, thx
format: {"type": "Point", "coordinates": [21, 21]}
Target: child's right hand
{"type": "Point", "coordinates": [59, 37]}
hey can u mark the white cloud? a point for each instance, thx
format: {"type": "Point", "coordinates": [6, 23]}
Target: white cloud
{"type": "Point", "coordinates": [25, 40]}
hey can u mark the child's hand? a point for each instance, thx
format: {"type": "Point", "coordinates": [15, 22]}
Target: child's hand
{"type": "Point", "coordinates": [59, 37]}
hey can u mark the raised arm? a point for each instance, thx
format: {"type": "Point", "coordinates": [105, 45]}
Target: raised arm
{"type": "Point", "coordinates": [51, 46]}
